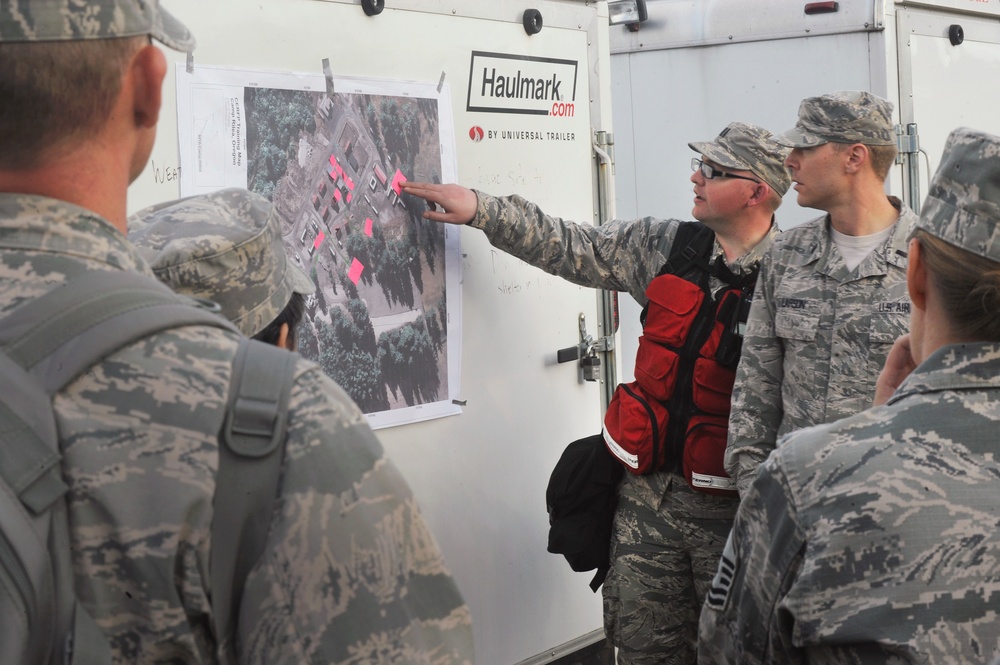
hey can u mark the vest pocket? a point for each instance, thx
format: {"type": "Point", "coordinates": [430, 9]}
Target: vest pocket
{"type": "Point", "coordinates": [635, 427]}
{"type": "Point", "coordinates": [678, 298]}
{"type": "Point", "coordinates": [704, 451]}
{"type": "Point", "coordinates": [656, 369]}
{"type": "Point", "coordinates": [789, 324]}
{"type": "Point", "coordinates": [712, 387]}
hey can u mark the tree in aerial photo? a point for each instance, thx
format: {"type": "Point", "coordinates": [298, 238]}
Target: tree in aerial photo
{"type": "Point", "coordinates": [275, 120]}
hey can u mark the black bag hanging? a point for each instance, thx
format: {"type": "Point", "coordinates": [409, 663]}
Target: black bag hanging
{"type": "Point", "coordinates": [581, 498]}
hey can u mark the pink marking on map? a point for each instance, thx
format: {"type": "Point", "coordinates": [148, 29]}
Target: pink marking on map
{"type": "Point", "coordinates": [398, 180]}
{"type": "Point", "coordinates": [350, 184]}
{"type": "Point", "coordinates": [349, 197]}
{"type": "Point", "coordinates": [355, 272]}
{"type": "Point", "coordinates": [336, 194]}
{"type": "Point", "coordinates": [319, 240]}
{"type": "Point", "coordinates": [368, 226]}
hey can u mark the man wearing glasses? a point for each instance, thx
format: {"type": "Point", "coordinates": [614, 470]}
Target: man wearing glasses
{"type": "Point", "coordinates": [667, 536]}
{"type": "Point", "coordinates": [831, 297]}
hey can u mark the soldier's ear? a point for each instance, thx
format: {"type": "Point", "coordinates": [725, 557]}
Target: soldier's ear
{"type": "Point", "coordinates": [759, 195]}
{"type": "Point", "coordinates": [856, 156]}
{"type": "Point", "coordinates": [147, 70]}
{"type": "Point", "coordinates": [283, 341]}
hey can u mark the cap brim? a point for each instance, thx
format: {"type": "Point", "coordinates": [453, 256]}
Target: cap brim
{"type": "Point", "coordinates": [798, 138]}
{"type": "Point", "coordinates": [172, 32]}
{"type": "Point", "coordinates": [719, 155]}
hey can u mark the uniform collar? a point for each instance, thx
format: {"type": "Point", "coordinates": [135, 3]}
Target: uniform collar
{"type": "Point", "coordinates": [892, 252]}
{"type": "Point", "coordinates": [751, 259]}
{"type": "Point", "coordinates": [46, 225]}
{"type": "Point", "coordinates": [969, 366]}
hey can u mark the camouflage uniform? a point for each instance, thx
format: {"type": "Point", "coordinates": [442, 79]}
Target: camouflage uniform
{"type": "Point", "coordinates": [350, 571]}
{"type": "Point", "coordinates": [818, 333]}
{"type": "Point", "coordinates": [874, 539]}
{"type": "Point", "coordinates": [226, 247]}
{"type": "Point", "coordinates": [817, 336]}
{"type": "Point", "coordinates": [667, 538]}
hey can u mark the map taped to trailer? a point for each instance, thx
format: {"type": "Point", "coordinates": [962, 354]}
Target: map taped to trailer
{"type": "Point", "coordinates": [384, 321]}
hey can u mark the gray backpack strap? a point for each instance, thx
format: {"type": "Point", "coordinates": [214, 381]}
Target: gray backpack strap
{"type": "Point", "coordinates": [58, 336]}
{"type": "Point", "coordinates": [45, 344]}
{"type": "Point", "coordinates": [250, 459]}
{"type": "Point", "coordinates": [28, 494]}
{"type": "Point", "coordinates": [114, 308]}
{"type": "Point", "coordinates": [27, 635]}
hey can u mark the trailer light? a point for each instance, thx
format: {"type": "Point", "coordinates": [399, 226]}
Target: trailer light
{"type": "Point", "coordinates": [626, 11]}
{"type": "Point", "coordinates": [822, 7]}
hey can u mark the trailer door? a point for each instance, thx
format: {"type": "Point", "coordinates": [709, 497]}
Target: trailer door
{"type": "Point", "coordinates": [949, 63]}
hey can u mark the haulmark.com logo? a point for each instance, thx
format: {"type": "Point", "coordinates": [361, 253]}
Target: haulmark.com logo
{"type": "Point", "coordinates": [476, 133]}
{"type": "Point", "coordinates": [502, 83]}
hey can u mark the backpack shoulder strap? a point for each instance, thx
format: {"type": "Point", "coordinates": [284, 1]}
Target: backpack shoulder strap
{"type": "Point", "coordinates": [692, 246]}
{"type": "Point", "coordinates": [44, 345]}
{"type": "Point", "coordinates": [251, 452]}
{"type": "Point", "coordinates": [59, 335]}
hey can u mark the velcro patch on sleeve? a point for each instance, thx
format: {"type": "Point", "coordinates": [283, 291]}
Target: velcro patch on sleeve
{"type": "Point", "coordinates": [722, 583]}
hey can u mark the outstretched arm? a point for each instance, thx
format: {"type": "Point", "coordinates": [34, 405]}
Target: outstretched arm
{"type": "Point", "coordinates": [460, 204]}
{"type": "Point", "coordinates": [619, 255]}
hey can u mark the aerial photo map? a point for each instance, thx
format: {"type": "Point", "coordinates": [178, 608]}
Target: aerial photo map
{"type": "Point", "coordinates": [332, 165]}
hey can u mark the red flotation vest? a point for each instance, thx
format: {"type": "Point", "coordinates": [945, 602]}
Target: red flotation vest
{"type": "Point", "coordinates": [674, 416]}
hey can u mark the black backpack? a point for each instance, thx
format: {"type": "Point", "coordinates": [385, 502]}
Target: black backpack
{"type": "Point", "coordinates": [45, 344]}
{"type": "Point", "coordinates": [581, 497]}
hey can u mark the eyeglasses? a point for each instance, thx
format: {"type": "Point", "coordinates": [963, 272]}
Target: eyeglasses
{"type": "Point", "coordinates": [710, 173]}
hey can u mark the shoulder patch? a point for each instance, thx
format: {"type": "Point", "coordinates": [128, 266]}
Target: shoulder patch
{"type": "Point", "coordinates": [722, 583]}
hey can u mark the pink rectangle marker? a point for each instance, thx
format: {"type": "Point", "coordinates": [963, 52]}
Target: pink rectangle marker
{"type": "Point", "coordinates": [355, 272]}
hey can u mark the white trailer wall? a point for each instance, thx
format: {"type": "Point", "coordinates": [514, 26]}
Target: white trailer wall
{"type": "Point", "coordinates": [480, 476]}
{"type": "Point", "coordinates": [697, 65]}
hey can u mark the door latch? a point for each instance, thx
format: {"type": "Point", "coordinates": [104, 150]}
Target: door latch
{"type": "Point", "coordinates": [586, 352]}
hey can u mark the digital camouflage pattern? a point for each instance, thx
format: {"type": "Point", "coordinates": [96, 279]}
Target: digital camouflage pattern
{"type": "Point", "coordinates": [746, 147]}
{"type": "Point", "coordinates": [963, 202]}
{"type": "Point", "coordinates": [817, 337]}
{"type": "Point", "coordinates": [661, 551]}
{"type": "Point", "coordinates": [647, 592]}
{"type": "Point", "coordinates": [225, 246]}
{"type": "Point", "coordinates": [351, 573]}
{"type": "Point", "coordinates": [62, 20]}
{"type": "Point", "coordinates": [850, 116]}
{"type": "Point", "coordinates": [874, 539]}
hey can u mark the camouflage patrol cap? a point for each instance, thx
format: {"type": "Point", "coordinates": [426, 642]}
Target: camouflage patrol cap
{"type": "Point", "coordinates": [963, 203]}
{"type": "Point", "coordinates": [70, 20]}
{"type": "Point", "coordinates": [225, 246]}
{"type": "Point", "coordinates": [852, 116]}
{"type": "Point", "coordinates": [746, 147]}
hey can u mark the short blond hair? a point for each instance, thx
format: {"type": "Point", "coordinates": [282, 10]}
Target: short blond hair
{"type": "Point", "coordinates": [881, 157]}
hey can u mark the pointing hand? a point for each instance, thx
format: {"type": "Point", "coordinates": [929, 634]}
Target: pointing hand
{"type": "Point", "coordinates": [460, 204]}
